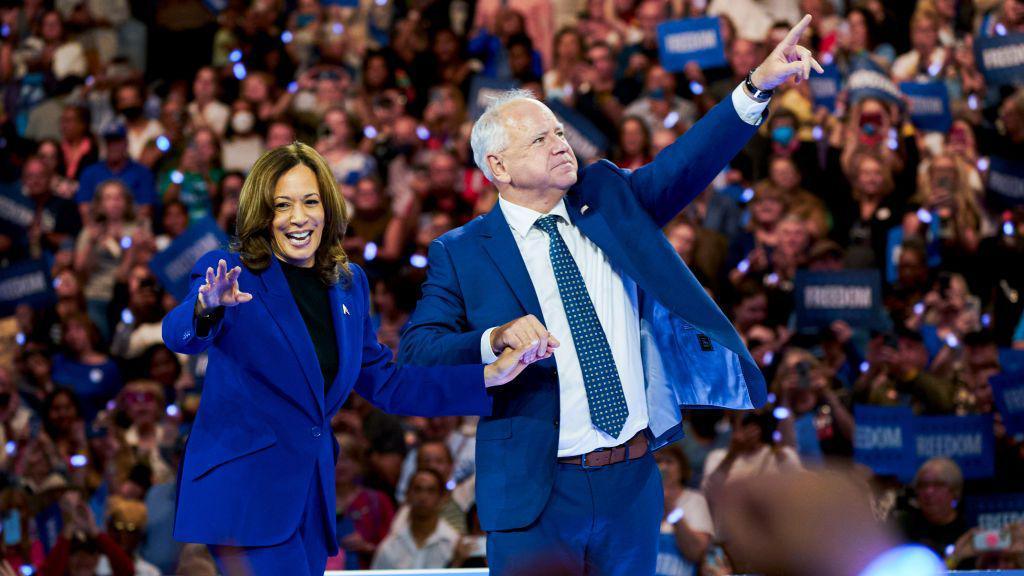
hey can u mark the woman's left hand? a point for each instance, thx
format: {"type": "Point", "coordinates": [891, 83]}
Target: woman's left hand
{"type": "Point", "coordinates": [512, 361]}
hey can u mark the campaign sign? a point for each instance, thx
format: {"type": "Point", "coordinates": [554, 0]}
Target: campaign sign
{"type": "Point", "coordinates": [1008, 392]}
{"type": "Point", "coordinates": [851, 295]}
{"type": "Point", "coordinates": [691, 40]}
{"type": "Point", "coordinates": [1005, 182]}
{"type": "Point", "coordinates": [869, 80]}
{"type": "Point", "coordinates": [994, 511]}
{"type": "Point", "coordinates": [586, 140]}
{"type": "Point", "coordinates": [1001, 58]}
{"type": "Point", "coordinates": [883, 439]}
{"type": "Point", "coordinates": [1012, 361]}
{"type": "Point", "coordinates": [482, 89]}
{"type": "Point", "coordinates": [25, 282]}
{"type": "Point", "coordinates": [349, 3]}
{"type": "Point", "coordinates": [173, 265]}
{"type": "Point", "coordinates": [16, 210]}
{"type": "Point", "coordinates": [929, 105]}
{"type": "Point", "coordinates": [967, 440]}
{"type": "Point", "coordinates": [825, 87]}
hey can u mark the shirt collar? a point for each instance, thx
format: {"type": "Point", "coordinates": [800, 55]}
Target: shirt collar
{"type": "Point", "coordinates": [521, 219]}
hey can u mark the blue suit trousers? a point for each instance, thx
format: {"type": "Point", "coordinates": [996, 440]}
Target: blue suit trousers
{"type": "Point", "coordinates": [598, 521]}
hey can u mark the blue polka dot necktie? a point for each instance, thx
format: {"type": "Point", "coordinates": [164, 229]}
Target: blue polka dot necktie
{"type": "Point", "coordinates": [608, 409]}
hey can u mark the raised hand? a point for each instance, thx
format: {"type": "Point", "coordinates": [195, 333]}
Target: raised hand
{"type": "Point", "coordinates": [511, 362]}
{"type": "Point", "coordinates": [788, 59]}
{"type": "Point", "coordinates": [221, 288]}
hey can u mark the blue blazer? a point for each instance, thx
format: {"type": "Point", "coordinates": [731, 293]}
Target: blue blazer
{"type": "Point", "coordinates": [692, 355]}
{"type": "Point", "coordinates": [264, 426]}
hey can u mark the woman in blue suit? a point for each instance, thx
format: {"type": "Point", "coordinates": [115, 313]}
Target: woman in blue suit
{"type": "Point", "coordinates": [285, 319]}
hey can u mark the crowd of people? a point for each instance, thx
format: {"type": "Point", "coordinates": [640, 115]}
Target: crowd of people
{"type": "Point", "coordinates": [124, 123]}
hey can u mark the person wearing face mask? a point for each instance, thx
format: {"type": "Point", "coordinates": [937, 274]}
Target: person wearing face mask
{"type": "Point", "coordinates": [129, 100]}
{"type": "Point", "coordinates": [243, 143]}
{"type": "Point", "coordinates": [284, 318]}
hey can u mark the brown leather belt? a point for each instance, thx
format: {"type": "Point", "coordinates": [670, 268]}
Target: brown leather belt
{"type": "Point", "coordinates": [631, 450]}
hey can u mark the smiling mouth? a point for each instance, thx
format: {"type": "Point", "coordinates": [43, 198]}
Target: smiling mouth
{"type": "Point", "coordinates": [299, 239]}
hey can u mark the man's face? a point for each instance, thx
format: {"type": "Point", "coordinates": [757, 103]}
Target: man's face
{"type": "Point", "coordinates": [117, 150]}
{"type": "Point", "coordinates": [434, 456]}
{"type": "Point", "coordinates": [443, 172]}
{"type": "Point", "coordinates": [424, 495]}
{"type": "Point", "coordinates": [743, 56]}
{"type": "Point", "coordinates": [36, 178]}
{"type": "Point", "coordinates": [602, 62]}
{"type": "Point", "coordinates": [538, 157]}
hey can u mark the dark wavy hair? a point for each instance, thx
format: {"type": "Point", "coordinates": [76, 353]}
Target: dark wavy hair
{"type": "Point", "coordinates": [254, 239]}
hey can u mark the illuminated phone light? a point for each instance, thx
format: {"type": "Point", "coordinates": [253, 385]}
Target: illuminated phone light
{"type": "Point", "coordinates": [27, 570]}
{"type": "Point", "coordinates": [422, 132]}
{"type": "Point", "coordinates": [293, 87]}
{"type": "Point", "coordinates": [239, 71]}
{"type": "Point", "coordinates": [972, 102]}
{"type": "Point", "coordinates": [768, 358]}
{"type": "Point", "coordinates": [924, 216]}
{"type": "Point", "coordinates": [983, 164]}
{"type": "Point", "coordinates": [675, 516]}
{"type": "Point", "coordinates": [370, 132]}
{"type": "Point", "coordinates": [177, 177]}
{"type": "Point", "coordinates": [287, 37]}
{"type": "Point", "coordinates": [748, 195]}
{"type": "Point", "coordinates": [418, 261]}
{"type": "Point", "coordinates": [90, 80]}
{"type": "Point", "coordinates": [127, 317]}
{"type": "Point", "coordinates": [337, 29]}
{"type": "Point", "coordinates": [1001, 29]}
{"type": "Point", "coordinates": [817, 133]}
{"type": "Point", "coordinates": [986, 320]}
{"type": "Point", "coordinates": [952, 341]}
{"type": "Point", "coordinates": [696, 88]}
{"type": "Point", "coordinates": [450, 484]}
{"type": "Point", "coordinates": [20, 338]}
{"type": "Point", "coordinates": [381, 2]}
{"type": "Point", "coordinates": [111, 404]}
{"type": "Point", "coordinates": [672, 119]}
{"type": "Point", "coordinates": [950, 549]}
{"type": "Point", "coordinates": [865, 366]}
{"type": "Point", "coordinates": [771, 279]}
{"type": "Point", "coordinates": [79, 460]}
{"type": "Point", "coordinates": [173, 411]}
{"type": "Point", "coordinates": [781, 412]}
{"type": "Point", "coordinates": [771, 397]}
{"type": "Point", "coordinates": [1008, 228]}
{"type": "Point", "coordinates": [163, 143]}
{"type": "Point", "coordinates": [370, 251]}
{"type": "Point", "coordinates": [777, 437]}
{"type": "Point", "coordinates": [126, 242]}
{"type": "Point", "coordinates": [743, 266]}
{"type": "Point", "coordinates": [919, 308]}
{"type": "Point", "coordinates": [235, 55]}
{"type": "Point", "coordinates": [11, 447]}
{"type": "Point", "coordinates": [935, 68]}
{"type": "Point", "coordinates": [827, 58]}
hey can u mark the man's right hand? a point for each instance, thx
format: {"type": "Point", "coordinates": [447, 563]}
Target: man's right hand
{"type": "Point", "coordinates": [221, 288]}
{"type": "Point", "coordinates": [521, 332]}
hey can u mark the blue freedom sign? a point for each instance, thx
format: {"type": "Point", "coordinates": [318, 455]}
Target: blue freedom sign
{"type": "Point", "coordinates": [691, 40]}
{"type": "Point", "coordinates": [173, 265]}
{"type": "Point", "coordinates": [967, 440]}
{"type": "Point", "coordinates": [929, 105]}
{"type": "Point", "coordinates": [25, 282]}
{"type": "Point", "coordinates": [1012, 361]}
{"type": "Point", "coordinates": [883, 440]}
{"type": "Point", "coordinates": [1005, 182]}
{"type": "Point", "coordinates": [869, 80]}
{"type": "Point", "coordinates": [16, 210]}
{"type": "Point", "coordinates": [851, 295]}
{"type": "Point", "coordinates": [482, 89]}
{"type": "Point", "coordinates": [586, 140]}
{"type": "Point", "coordinates": [994, 511]}
{"type": "Point", "coordinates": [825, 87]}
{"type": "Point", "coordinates": [1001, 58]}
{"type": "Point", "coordinates": [1008, 392]}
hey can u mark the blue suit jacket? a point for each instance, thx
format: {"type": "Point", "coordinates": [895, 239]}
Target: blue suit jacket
{"type": "Point", "coordinates": [692, 355]}
{"type": "Point", "coordinates": [264, 426]}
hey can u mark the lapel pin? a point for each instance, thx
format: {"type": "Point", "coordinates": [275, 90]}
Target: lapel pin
{"type": "Point", "coordinates": [345, 310]}
{"type": "Point", "coordinates": [584, 209]}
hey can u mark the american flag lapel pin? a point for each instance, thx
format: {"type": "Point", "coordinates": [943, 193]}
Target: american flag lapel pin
{"type": "Point", "coordinates": [345, 310]}
{"type": "Point", "coordinates": [584, 209]}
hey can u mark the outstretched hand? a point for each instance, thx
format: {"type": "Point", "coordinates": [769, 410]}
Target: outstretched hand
{"type": "Point", "coordinates": [788, 59]}
{"type": "Point", "coordinates": [512, 361]}
{"type": "Point", "coordinates": [221, 288]}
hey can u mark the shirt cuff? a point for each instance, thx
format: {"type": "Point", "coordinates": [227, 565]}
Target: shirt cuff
{"type": "Point", "coordinates": [751, 111]}
{"type": "Point", "coordinates": [486, 353]}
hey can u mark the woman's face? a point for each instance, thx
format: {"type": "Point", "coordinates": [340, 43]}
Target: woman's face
{"type": "Point", "coordinates": [783, 174]}
{"type": "Point", "coordinates": [632, 138]}
{"type": "Point", "coordinates": [77, 337]}
{"type": "Point", "coordinates": [568, 48]}
{"type": "Point", "coordinates": [141, 405]}
{"type": "Point", "coordinates": [376, 72]}
{"type": "Point", "coordinates": [62, 413]}
{"type": "Point", "coordinates": [858, 31]}
{"type": "Point", "coordinates": [175, 220]}
{"type": "Point", "coordinates": [870, 177]}
{"type": "Point", "coordinates": [337, 123]}
{"type": "Point", "coordinates": [254, 89]}
{"type": "Point", "coordinates": [793, 237]}
{"type": "Point", "coordinates": [71, 126]}
{"type": "Point", "coordinates": [671, 471]}
{"type": "Point", "coordinates": [683, 238]}
{"type": "Point", "coordinates": [52, 27]}
{"type": "Point", "coordinates": [298, 217]}
{"type": "Point", "coordinates": [367, 196]}
{"type": "Point", "coordinates": [163, 367]}
{"type": "Point", "coordinates": [49, 154]}
{"type": "Point", "coordinates": [766, 210]}
{"type": "Point", "coordinates": [112, 202]}
{"type": "Point", "coordinates": [345, 469]}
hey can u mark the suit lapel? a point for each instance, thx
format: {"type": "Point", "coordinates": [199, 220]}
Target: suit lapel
{"type": "Point", "coordinates": [502, 249]}
{"type": "Point", "coordinates": [593, 225]}
{"type": "Point", "coordinates": [280, 303]}
{"type": "Point", "coordinates": [344, 322]}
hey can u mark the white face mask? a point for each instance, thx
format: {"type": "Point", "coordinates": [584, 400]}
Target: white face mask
{"type": "Point", "coordinates": [242, 122]}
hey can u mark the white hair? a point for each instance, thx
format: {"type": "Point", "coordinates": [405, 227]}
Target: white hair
{"type": "Point", "coordinates": [489, 134]}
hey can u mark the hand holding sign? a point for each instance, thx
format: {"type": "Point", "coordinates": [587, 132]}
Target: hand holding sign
{"type": "Point", "coordinates": [788, 59]}
{"type": "Point", "coordinates": [221, 288]}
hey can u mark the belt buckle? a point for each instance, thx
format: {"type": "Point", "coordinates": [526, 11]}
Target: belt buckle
{"type": "Point", "coordinates": [583, 461]}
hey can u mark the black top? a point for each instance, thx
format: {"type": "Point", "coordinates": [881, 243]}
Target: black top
{"type": "Point", "coordinates": [314, 302]}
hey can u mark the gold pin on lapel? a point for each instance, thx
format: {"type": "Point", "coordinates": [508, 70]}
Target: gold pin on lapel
{"type": "Point", "coordinates": [345, 310]}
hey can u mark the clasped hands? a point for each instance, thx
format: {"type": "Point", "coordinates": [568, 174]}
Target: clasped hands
{"type": "Point", "coordinates": [518, 344]}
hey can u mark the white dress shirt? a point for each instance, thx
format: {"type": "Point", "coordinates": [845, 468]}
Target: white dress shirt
{"type": "Point", "coordinates": [614, 296]}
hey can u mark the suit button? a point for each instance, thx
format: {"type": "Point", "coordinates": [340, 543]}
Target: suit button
{"type": "Point", "coordinates": [315, 431]}
{"type": "Point", "coordinates": [554, 372]}
{"type": "Point", "coordinates": [556, 422]}
{"type": "Point", "coordinates": [186, 335]}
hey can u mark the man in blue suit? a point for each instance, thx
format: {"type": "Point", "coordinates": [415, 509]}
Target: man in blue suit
{"type": "Point", "coordinates": [576, 260]}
